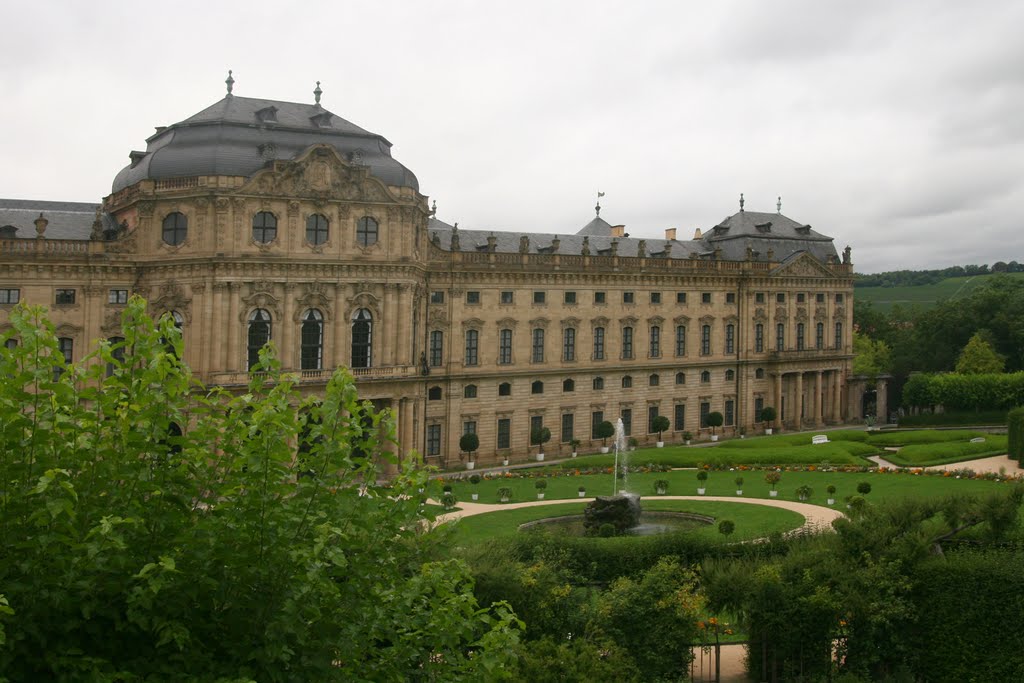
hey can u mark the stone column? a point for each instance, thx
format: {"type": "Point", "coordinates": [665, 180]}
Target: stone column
{"type": "Point", "coordinates": [778, 376]}
{"type": "Point", "coordinates": [206, 331]}
{"type": "Point", "coordinates": [340, 320]}
{"type": "Point", "coordinates": [798, 404]}
{"type": "Point", "coordinates": [882, 399]}
{"type": "Point", "coordinates": [402, 309]}
{"type": "Point", "coordinates": [231, 359]}
{"type": "Point", "coordinates": [837, 395]}
{"type": "Point", "coordinates": [220, 328]}
{"type": "Point", "coordinates": [389, 325]}
{"type": "Point", "coordinates": [288, 354]}
{"type": "Point", "coordinates": [818, 422]}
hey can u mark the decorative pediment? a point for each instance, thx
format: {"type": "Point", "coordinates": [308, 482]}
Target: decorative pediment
{"type": "Point", "coordinates": [473, 324]}
{"type": "Point", "coordinates": [69, 330]}
{"type": "Point", "coordinates": [804, 265]}
{"type": "Point", "coordinates": [730, 320]}
{"type": "Point", "coordinates": [656, 320]}
{"type": "Point", "coordinates": [437, 318]}
{"type": "Point", "coordinates": [600, 321]}
{"type": "Point", "coordinates": [681, 320]}
{"type": "Point", "coordinates": [572, 323]}
{"type": "Point", "coordinates": [319, 174]}
{"type": "Point", "coordinates": [759, 313]}
{"type": "Point", "coordinates": [540, 322]}
{"type": "Point", "coordinates": [314, 295]}
{"type": "Point", "coordinates": [801, 314]}
{"type": "Point", "coordinates": [363, 299]}
{"type": "Point", "coordinates": [839, 312]}
{"type": "Point", "coordinates": [781, 313]}
{"type": "Point", "coordinates": [820, 313]}
{"type": "Point", "coordinates": [629, 320]}
{"type": "Point", "coordinates": [171, 297]}
{"type": "Point", "coordinates": [707, 319]}
{"type": "Point", "coordinates": [507, 323]}
{"type": "Point", "coordinates": [111, 321]}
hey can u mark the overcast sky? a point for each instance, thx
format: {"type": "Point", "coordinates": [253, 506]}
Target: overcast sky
{"type": "Point", "coordinates": [895, 127]}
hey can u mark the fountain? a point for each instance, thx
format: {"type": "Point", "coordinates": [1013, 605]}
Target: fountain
{"type": "Point", "coordinates": [621, 509]}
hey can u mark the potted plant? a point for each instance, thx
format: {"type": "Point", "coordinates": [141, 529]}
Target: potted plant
{"type": "Point", "coordinates": [831, 488]}
{"type": "Point", "coordinates": [660, 424]}
{"type": "Point", "coordinates": [582, 491]}
{"type": "Point", "coordinates": [743, 432]}
{"type": "Point", "coordinates": [605, 431]}
{"type": "Point", "coordinates": [574, 444]}
{"type": "Point", "coordinates": [739, 486]}
{"type": "Point", "coordinates": [633, 443]}
{"type": "Point", "coordinates": [539, 437]}
{"type": "Point", "coordinates": [687, 437]}
{"type": "Point", "coordinates": [474, 480]}
{"type": "Point", "coordinates": [469, 442]}
{"type": "Point", "coordinates": [504, 494]}
{"type": "Point", "coordinates": [863, 488]}
{"type": "Point", "coordinates": [504, 461]}
{"type": "Point", "coordinates": [804, 492]}
{"type": "Point", "coordinates": [702, 476]}
{"type": "Point", "coordinates": [541, 485]}
{"type": "Point", "coordinates": [661, 487]}
{"type": "Point", "coordinates": [773, 477]}
{"type": "Point", "coordinates": [448, 500]}
{"type": "Point", "coordinates": [726, 527]}
{"type": "Point", "coordinates": [767, 417]}
{"type": "Point", "coordinates": [714, 419]}
{"type": "Point", "coordinates": [447, 488]}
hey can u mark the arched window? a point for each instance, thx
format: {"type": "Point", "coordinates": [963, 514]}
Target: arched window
{"type": "Point", "coordinates": [759, 373]}
{"type": "Point", "coordinates": [705, 377]}
{"type": "Point", "coordinates": [627, 382]}
{"type": "Point", "coordinates": [259, 334]}
{"type": "Point", "coordinates": [537, 387]}
{"type": "Point", "coordinates": [362, 339]}
{"type": "Point", "coordinates": [317, 227]}
{"type": "Point", "coordinates": [598, 343]}
{"type": "Point", "coordinates": [504, 347]}
{"type": "Point", "coordinates": [759, 338]}
{"type": "Point", "coordinates": [568, 385]}
{"type": "Point", "coordinates": [680, 378]}
{"type": "Point", "coordinates": [175, 228]}
{"type": "Point", "coordinates": [505, 389]}
{"type": "Point", "coordinates": [538, 345]}
{"type": "Point", "coordinates": [839, 336]}
{"type": "Point", "coordinates": [654, 380]}
{"type": "Point", "coordinates": [655, 342]}
{"type": "Point", "coordinates": [11, 343]}
{"type": "Point", "coordinates": [311, 351]}
{"type": "Point", "coordinates": [366, 231]}
{"type": "Point", "coordinates": [680, 340]}
{"type": "Point", "coordinates": [627, 343]}
{"type": "Point", "coordinates": [598, 383]}
{"type": "Point", "coordinates": [264, 227]}
{"type": "Point", "coordinates": [730, 375]}
{"type": "Point", "coordinates": [469, 391]}
{"type": "Point", "coordinates": [66, 346]}
{"type": "Point", "coordinates": [569, 344]}
{"type": "Point", "coordinates": [780, 337]}
{"type": "Point", "coordinates": [434, 394]}
{"type": "Point", "coordinates": [116, 352]}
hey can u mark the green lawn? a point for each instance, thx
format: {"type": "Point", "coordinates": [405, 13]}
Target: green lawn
{"type": "Point", "coordinates": [930, 454]}
{"type": "Point", "coordinates": [752, 521]}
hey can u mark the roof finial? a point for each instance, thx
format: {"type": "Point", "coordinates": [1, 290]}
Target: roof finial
{"type": "Point", "coordinates": [230, 82]}
{"type": "Point", "coordinates": [597, 208]}
{"type": "Point", "coordinates": [778, 205]}
{"type": "Point", "coordinates": [318, 92]}
{"type": "Point", "coordinates": [741, 201]}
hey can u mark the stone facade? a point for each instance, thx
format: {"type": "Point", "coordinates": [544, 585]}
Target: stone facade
{"type": "Point", "coordinates": [450, 329]}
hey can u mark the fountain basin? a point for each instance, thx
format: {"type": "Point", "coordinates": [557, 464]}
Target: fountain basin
{"type": "Point", "coordinates": [649, 524]}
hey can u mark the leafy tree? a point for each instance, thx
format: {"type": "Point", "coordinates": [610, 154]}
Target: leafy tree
{"type": "Point", "coordinates": [605, 431]}
{"type": "Point", "coordinates": [714, 419]}
{"type": "Point", "coordinates": [726, 527]}
{"type": "Point", "coordinates": [469, 442]}
{"type": "Point", "coordinates": [152, 529]}
{"type": "Point", "coordinates": [660, 424]}
{"type": "Point", "coordinates": [979, 358]}
{"type": "Point", "coordinates": [539, 437]}
{"type": "Point", "coordinates": [767, 415]}
{"type": "Point", "coordinates": [873, 358]}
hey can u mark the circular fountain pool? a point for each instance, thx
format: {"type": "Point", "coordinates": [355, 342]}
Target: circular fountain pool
{"type": "Point", "coordinates": [651, 524]}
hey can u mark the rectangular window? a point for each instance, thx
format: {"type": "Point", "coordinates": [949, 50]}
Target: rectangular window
{"type": "Point", "coordinates": [652, 412]}
{"type": "Point", "coordinates": [655, 297]}
{"type": "Point", "coordinates": [627, 343]}
{"type": "Point", "coordinates": [504, 347]}
{"type": "Point", "coordinates": [680, 340]}
{"type": "Point", "coordinates": [758, 407]}
{"type": "Point", "coordinates": [569, 344]}
{"type": "Point", "coordinates": [539, 297]}
{"type": "Point", "coordinates": [117, 296]}
{"type": "Point", "coordinates": [705, 410]}
{"type": "Point", "coordinates": [598, 343]}
{"type": "Point", "coordinates": [819, 336]}
{"type": "Point", "coordinates": [680, 297]}
{"type": "Point", "coordinates": [599, 297]}
{"type": "Point", "coordinates": [437, 297]}
{"type": "Point", "coordinates": [679, 424]}
{"type": "Point", "coordinates": [536, 422]}
{"type": "Point", "coordinates": [780, 337]}
{"type": "Point", "coordinates": [730, 297]}
{"type": "Point", "coordinates": [596, 418]}
{"type": "Point", "coordinates": [759, 338]}
{"type": "Point", "coordinates": [472, 298]}
{"type": "Point", "coordinates": [705, 297]}
{"type": "Point", "coordinates": [10, 296]}
{"type": "Point", "coordinates": [730, 413]}
{"type": "Point", "coordinates": [538, 345]}
{"type": "Point", "coordinates": [839, 335]}
{"type": "Point", "coordinates": [705, 340]}
{"type": "Point", "coordinates": [569, 298]}
{"type": "Point", "coordinates": [759, 298]}
{"type": "Point", "coordinates": [472, 347]}
{"type": "Point", "coordinates": [434, 439]}
{"type": "Point", "coordinates": [627, 421]}
{"type": "Point", "coordinates": [436, 348]}
{"type": "Point", "coordinates": [504, 433]}
{"type": "Point", "coordinates": [567, 427]}
{"type": "Point", "coordinates": [506, 298]}
{"type": "Point", "coordinates": [730, 338]}
{"type": "Point", "coordinates": [799, 336]}
{"type": "Point", "coordinates": [839, 298]}
{"type": "Point", "coordinates": [819, 298]}
{"type": "Point", "coordinates": [469, 427]}
{"type": "Point", "coordinates": [780, 298]}
{"type": "Point", "coordinates": [655, 342]}
{"type": "Point", "coordinates": [627, 297]}
{"type": "Point", "coordinates": [65, 297]}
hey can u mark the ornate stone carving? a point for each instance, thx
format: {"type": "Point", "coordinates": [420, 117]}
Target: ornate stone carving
{"type": "Point", "coordinates": [681, 320]}
{"type": "Point", "coordinates": [540, 322]}
{"type": "Point", "coordinates": [320, 174]}
{"type": "Point", "coordinates": [314, 295]}
{"type": "Point", "coordinates": [570, 323]}
{"type": "Point", "coordinates": [437, 318]}
{"type": "Point", "coordinates": [781, 313]}
{"type": "Point", "coordinates": [473, 324]}
{"type": "Point", "coordinates": [509, 323]}
{"type": "Point", "coordinates": [171, 297]}
{"type": "Point", "coordinates": [111, 321]}
{"type": "Point", "coordinates": [260, 296]}
{"type": "Point", "coordinates": [801, 314]}
{"type": "Point", "coordinates": [759, 313]}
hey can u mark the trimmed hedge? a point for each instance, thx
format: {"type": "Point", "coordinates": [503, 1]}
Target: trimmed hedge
{"type": "Point", "coordinates": [1015, 434]}
{"type": "Point", "coordinates": [965, 392]}
{"type": "Point", "coordinates": [923, 436]}
{"type": "Point", "coordinates": [926, 454]}
{"type": "Point", "coordinates": [953, 418]}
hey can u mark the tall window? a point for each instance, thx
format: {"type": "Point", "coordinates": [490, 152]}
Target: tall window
{"type": "Point", "coordinates": [596, 418]}
{"type": "Point", "coordinates": [469, 427]}
{"type": "Point", "coordinates": [264, 227]}
{"type": "Point", "coordinates": [472, 347]}
{"type": "Point", "coordinates": [504, 347]}
{"type": "Point", "coordinates": [362, 339]}
{"type": "Point", "coordinates": [436, 348]}
{"type": "Point", "coordinates": [316, 229]}
{"type": "Point", "coordinates": [730, 413]}
{"type": "Point", "coordinates": [780, 337]}
{"type": "Point", "coordinates": [655, 341]}
{"type": "Point", "coordinates": [705, 340]}
{"type": "Point", "coordinates": [627, 382]}
{"type": "Point", "coordinates": [730, 375]}
{"type": "Point", "coordinates": [259, 334]}
{"type": "Point", "coordinates": [66, 346]}
{"type": "Point", "coordinates": [680, 340]}
{"type": "Point", "coordinates": [504, 433]}
{"type": "Point", "coordinates": [627, 421]}
{"type": "Point", "coordinates": [538, 345]}
{"type": "Point", "coordinates": [567, 427]}
{"type": "Point", "coordinates": [627, 342]}
{"type": "Point", "coordinates": [799, 336]}
{"type": "Point", "coordinates": [759, 338]}
{"type": "Point", "coordinates": [705, 410]}
{"type": "Point", "coordinates": [312, 340]}
{"type": "Point", "coordinates": [569, 344]}
{"type": "Point", "coordinates": [116, 353]}
{"type": "Point", "coordinates": [598, 343]}
{"type": "Point", "coordinates": [819, 336]}
{"type": "Point", "coordinates": [680, 378]}
{"type": "Point", "coordinates": [758, 407]}
{"type": "Point", "coordinates": [366, 231]}
{"type": "Point", "coordinates": [679, 423]}
{"type": "Point", "coordinates": [175, 228]}
{"type": "Point", "coordinates": [652, 413]}
{"type": "Point", "coordinates": [839, 336]}
{"type": "Point", "coordinates": [598, 384]}
{"type": "Point", "coordinates": [730, 338]}
{"type": "Point", "coordinates": [434, 439]}
{"type": "Point", "coordinates": [10, 296]}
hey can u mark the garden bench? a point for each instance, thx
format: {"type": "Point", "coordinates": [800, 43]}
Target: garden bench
{"type": "Point", "coordinates": [978, 439]}
{"type": "Point", "coordinates": [819, 438]}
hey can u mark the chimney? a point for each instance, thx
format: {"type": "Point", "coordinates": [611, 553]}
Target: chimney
{"type": "Point", "coordinates": [618, 230]}
{"type": "Point", "coordinates": [696, 234]}
{"type": "Point", "coordinates": [670, 233]}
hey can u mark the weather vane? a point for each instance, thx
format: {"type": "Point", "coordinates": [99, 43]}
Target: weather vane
{"type": "Point", "coordinates": [597, 208]}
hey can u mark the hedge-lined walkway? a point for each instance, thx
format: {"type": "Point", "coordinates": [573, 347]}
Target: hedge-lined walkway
{"type": "Point", "coordinates": [991, 465]}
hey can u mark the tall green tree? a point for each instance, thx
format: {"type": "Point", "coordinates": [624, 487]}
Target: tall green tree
{"type": "Point", "coordinates": [873, 357]}
{"type": "Point", "coordinates": [152, 529]}
{"type": "Point", "coordinates": [979, 358]}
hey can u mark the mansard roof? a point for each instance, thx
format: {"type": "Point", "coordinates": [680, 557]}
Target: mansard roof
{"type": "Point", "coordinates": [66, 220]}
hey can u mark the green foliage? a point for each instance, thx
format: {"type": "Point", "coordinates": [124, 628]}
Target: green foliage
{"type": "Point", "coordinates": [804, 492]}
{"type": "Point", "coordinates": [152, 529]}
{"type": "Point", "coordinates": [540, 436]}
{"type": "Point", "coordinates": [540, 484]}
{"type": "Point", "coordinates": [954, 418]}
{"type": "Point", "coordinates": [863, 488]}
{"type": "Point", "coordinates": [726, 527]}
{"type": "Point", "coordinates": [979, 358]}
{"type": "Point", "coordinates": [504, 494]}
{"type": "Point", "coordinates": [928, 454]}
{"type": "Point", "coordinates": [661, 487]}
{"type": "Point", "coordinates": [922, 436]}
{"type": "Point", "coordinates": [576, 661]}
{"type": "Point", "coordinates": [702, 475]}
{"type": "Point", "coordinates": [714, 419]}
{"type": "Point", "coordinates": [772, 478]}
{"type": "Point", "coordinates": [660, 424]}
{"type": "Point", "coordinates": [469, 442]}
{"type": "Point", "coordinates": [966, 392]}
{"type": "Point", "coordinates": [873, 357]}
{"type": "Point", "coordinates": [605, 431]}
{"type": "Point", "coordinates": [1015, 434]}
{"type": "Point", "coordinates": [767, 414]}
{"type": "Point", "coordinates": [474, 479]}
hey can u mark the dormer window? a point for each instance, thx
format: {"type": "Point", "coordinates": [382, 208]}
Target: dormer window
{"type": "Point", "coordinates": [267, 115]}
{"type": "Point", "coordinates": [764, 227]}
{"type": "Point", "coordinates": [321, 120]}
{"type": "Point", "coordinates": [135, 157]}
{"type": "Point", "coordinates": [721, 229]}
{"type": "Point", "coordinates": [803, 229]}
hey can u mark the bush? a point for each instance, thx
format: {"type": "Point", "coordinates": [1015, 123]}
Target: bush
{"type": "Point", "coordinates": [1015, 434]}
{"type": "Point", "coordinates": [661, 487]}
{"type": "Point", "coordinates": [905, 438]}
{"type": "Point", "coordinates": [955, 418]}
{"type": "Point", "coordinates": [924, 455]}
{"type": "Point", "coordinates": [863, 488]}
{"type": "Point", "coordinates": [660, 424]}
{"type": "Point", "coordinates": [504, 494]}
{"type": "Point", "coordinates": [965, 392]}
{"type": "Point", "coordinates": [540, 484]}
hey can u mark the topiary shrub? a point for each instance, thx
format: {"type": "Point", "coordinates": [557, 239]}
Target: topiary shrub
{"type": "Point", "coordinates": [1015, 434]}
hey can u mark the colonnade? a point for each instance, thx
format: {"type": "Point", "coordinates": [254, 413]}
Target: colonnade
{"type": "Point", "coordinates": [811, 400]}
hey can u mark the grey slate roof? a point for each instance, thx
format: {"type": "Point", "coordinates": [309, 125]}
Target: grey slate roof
{"type": "Point", "coordinates": [231, 137]}
{"type": "Point", "coordinates": [763, 231]}
{"type": "Point", "coordinates": [67, 220]}
{"type": "Point", "coordinates": [598, 226]}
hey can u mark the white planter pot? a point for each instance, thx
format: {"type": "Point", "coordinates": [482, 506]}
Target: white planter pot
{"type": "Point", "coordinates": [604, 449]}
{"type": "Point", "coordinates": [831, 501]}
{"type": "Point", "coordinates": [659, 444]}
{"type": "Point", "coordinates": [582, 494]}
{"type": "Point", "coordinates": [540, 457]}
{"type": "Point", "coordinates": [739, 492]}
{"type": "Point", "coordinates": [540, 496]}
{"type": "Point", "coordinates": [474, 496]}
{"type": "Point", "coordinates": [743, 436]}
{"type": "Point", "coordinates": [687, 442]}
{"type": "Point", "coordinates": [504, 462]}
{"type": "Point", "coordinates": [773, 494]}
{"type": "Point", "coordinates": [661, 492]}
{"type": "Point", "coordinates": [470, 465]}
{"type": "Point", "coordinates": [768, 431]}
{"type": "Point", "coordinates": [574, 454]}
{"type": "Point", "coordinates": [700, 492]}
{"type": "Point", "coordinates": [714, 437]}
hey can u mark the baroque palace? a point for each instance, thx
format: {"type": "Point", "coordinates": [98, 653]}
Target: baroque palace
{"type": "Point", "coordinates": [258, 220]}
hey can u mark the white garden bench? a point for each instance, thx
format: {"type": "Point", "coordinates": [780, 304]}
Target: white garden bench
{"type": "Point", "coordinates": [978, 439]}
{"type": "Point", "coordinates": [819, 438]}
